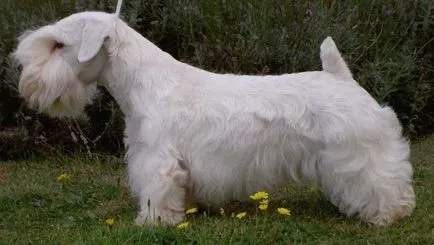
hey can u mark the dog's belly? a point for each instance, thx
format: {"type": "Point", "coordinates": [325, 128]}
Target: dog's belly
{"type": "Point", "coordinates": [233, 172]}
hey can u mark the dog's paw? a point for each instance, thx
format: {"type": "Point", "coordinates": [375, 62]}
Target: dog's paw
{"type": "Point", "coordinates": [143, 220]}
{"type": "Point", "coordinates": [171, 217]}
{"type": "Point", "coordinates": [164, 216]}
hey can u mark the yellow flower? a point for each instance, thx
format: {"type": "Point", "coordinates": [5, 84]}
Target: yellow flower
{"type": "Point", "coordinates": [63, 177]}
{"type": "Point", "coordinates": [222, 211]}
{"type": "Point", "coordinates": [263, 207]}
{"type": "Point", "coordinates": [264, 201]}
{"type": "Point", "coordinates": [241, 215]}
{"type": "Point", "coordinates": [191, 211]}
{"type": "Point", "coordinates": [284, 211]}
{"type": "Point", "coordinates": [259, 195]}
{"type": "Point", "coordinates": [109, 222]}
{"type": "Point", "coordinates": [263, 204]}
{"type": "Point", "coordinates": [182, 225]}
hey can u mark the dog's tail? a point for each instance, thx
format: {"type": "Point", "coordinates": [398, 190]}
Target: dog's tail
{"type": "Point", "coordinates": [332, 60]}
{"type": "Point", "coordinates": [118, 8]}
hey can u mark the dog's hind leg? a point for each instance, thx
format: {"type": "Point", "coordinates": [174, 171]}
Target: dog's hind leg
{"type": "Point", "coordinates": [160, 185]}
{"type": "Point", "coordinates": [370, 176]}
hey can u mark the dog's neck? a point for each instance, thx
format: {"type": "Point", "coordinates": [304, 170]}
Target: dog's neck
{"type": "Point", "coordinates": [137, 73]}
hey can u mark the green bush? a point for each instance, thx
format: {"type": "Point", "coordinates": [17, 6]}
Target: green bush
{"type": "Point", "coordinates": [387, 44]}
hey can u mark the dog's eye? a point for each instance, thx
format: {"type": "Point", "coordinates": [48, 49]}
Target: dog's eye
{"type": "Point", "coordinates": [59, 45]}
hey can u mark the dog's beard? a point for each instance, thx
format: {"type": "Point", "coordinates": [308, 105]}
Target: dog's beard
{"type": "Point", "coordinates": [54, 88]}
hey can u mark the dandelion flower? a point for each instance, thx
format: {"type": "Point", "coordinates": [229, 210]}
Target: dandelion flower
{"type": "Point", "coordinates": [63, 177]}
{"type": "Point", "coordinates": [259, 195]}
{"type": "Point", "coordinates": [191, 211]}
{"type": "Point", "coordinates": [241, 215]}
{"type": "Point", "coordinates": [263, 207]}
{"type": "Point", "coordinates": [182, 225]}
{"type": "Point", "coordinates": [222, 211]}
{"type": "Point", "coordinates": [284, 211]}
{"type": "Point", "coordinates": [263, 204]}
{"type": "Point", "coordinates": [264, 201]}
{"type": "Point", "coordinates": [109, 222]}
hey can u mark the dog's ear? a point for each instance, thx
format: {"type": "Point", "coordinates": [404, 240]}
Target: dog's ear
{"type": "Point", "coordinates": [92, 39]}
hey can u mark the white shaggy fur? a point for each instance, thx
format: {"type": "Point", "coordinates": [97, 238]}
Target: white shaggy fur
{"type": "Point", "coordinates": [197, 136]}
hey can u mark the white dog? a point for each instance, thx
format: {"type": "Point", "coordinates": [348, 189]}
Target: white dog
{"type": "Point", "coordinates": [197, 136]}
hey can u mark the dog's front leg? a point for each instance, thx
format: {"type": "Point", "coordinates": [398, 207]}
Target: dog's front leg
{"type": "Point", "coordinates": [159, 183]}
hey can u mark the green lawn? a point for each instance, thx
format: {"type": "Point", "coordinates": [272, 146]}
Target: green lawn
{"type": "Point", "coordinates": [36, 208]}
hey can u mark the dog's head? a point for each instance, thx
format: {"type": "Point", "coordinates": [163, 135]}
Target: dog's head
{"type": "Point", "coordinates": [61, 62]}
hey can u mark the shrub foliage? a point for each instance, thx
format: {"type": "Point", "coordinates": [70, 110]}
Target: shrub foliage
{"type": "Point", "coordinates": [388, 45]}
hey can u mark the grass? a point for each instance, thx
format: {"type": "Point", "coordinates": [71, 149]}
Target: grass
{"type": "Point", "coordinates": [36, 208]}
